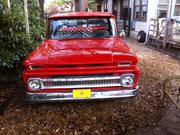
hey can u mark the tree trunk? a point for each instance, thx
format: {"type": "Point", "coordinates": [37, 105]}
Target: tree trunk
{"type": "Point", "coordinates": [26, 16]}
{"type": "Point", "coordinates": [80, 5]}
{"type": "Point", "coordinates": [41, 3]}
{"type": "Point", "coordinates": [9, 3]}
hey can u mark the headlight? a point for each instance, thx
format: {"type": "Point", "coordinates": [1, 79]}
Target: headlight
{"type": "Point", "coordinates": [127, 80]}
{"type": "Point", "coordinates": [34, 84]}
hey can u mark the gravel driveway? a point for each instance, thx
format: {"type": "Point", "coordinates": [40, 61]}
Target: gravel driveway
{"type": "Point", "coordinates": [92, 117]}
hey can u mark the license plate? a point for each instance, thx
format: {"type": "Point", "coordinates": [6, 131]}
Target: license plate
{"type": "Point", "coordinates": [82, 93]}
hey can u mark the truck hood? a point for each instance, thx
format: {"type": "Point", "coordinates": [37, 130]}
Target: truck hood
{"type": "Point", "coordinates": [82, 51]}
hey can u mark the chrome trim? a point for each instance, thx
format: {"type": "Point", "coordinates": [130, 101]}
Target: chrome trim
{"type": "Point", "coordinates": [124, 64]}
{"type": "Point", "coordinates": [82, 79]}
{"type": "Point", "coordinates": [79, 82]}
{"type": "Point", "coordinates": [81, 86]}
{"type": "Point", "coordinates": [67, 96]}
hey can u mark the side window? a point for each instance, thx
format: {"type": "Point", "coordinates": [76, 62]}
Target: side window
{"type": "Point", "coordinates": [50, 29]}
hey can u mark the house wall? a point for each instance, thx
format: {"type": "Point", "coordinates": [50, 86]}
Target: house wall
{"type": "Point", "coordinates": [173, 10]}
{"type": "Point", "coordinates": [109, 5]}
{"type": "Point", "coordinates": [152, 12]}
{"type": "Point", "coordinates": [119, 23]}
{"type": "Point", "coordinates": [139, 25]}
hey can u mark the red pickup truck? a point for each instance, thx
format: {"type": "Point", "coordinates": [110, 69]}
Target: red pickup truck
{"type": "Point", "coordinates": [82, 57]}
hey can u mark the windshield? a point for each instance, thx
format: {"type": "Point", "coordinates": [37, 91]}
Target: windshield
{"type": "Point", "coordinates": [81, 28]}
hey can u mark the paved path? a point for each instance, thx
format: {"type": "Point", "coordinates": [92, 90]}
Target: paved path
{"type": "Point", "coordinates": [169, 124]}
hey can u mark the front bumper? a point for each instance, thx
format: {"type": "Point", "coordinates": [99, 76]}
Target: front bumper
{"type": "Point", "coordinates": [67, 96]}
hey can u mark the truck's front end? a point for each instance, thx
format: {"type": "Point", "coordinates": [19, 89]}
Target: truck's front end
{"type": "Point", "coordinates": [82, 58]}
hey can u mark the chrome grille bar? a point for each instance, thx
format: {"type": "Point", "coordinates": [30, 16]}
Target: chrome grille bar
{"type": "Point", "coordinates": [80, 82]}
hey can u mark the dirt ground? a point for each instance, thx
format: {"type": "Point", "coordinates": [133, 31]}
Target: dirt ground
{"type": "Point", "coordinates": [92, 117]}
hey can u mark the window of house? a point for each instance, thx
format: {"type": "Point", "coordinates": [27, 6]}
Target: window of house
{"type": "Point", "coordinates": [144, 13]}
{"type": "Point", "coordinates": [140, 10]}
{"type": "Point", "coordinates": [177, 8]}
{"type": "Point", "coordinates": [137, 13]}
{"type": "Point", "coordinates": [162, 8]}
{"type": "Point", "coordinates": [162, 13]}
{"type": "Point", "coordinates": [125, 3]}
{"type": "Point", "coordinates": [161, 2]}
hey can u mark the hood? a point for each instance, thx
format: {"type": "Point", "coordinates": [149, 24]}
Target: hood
{"type": "Point", "coordinates": [77, 51]}
{"type": "Point", "coordinates": [81, 52]}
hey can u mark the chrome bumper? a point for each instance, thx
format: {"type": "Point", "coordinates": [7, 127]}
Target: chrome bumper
{"type": "Point", "coordinates": [67, 96]}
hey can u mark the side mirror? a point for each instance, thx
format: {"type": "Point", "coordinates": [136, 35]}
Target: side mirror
{"type": "Point", "coordinates": [122, 34]}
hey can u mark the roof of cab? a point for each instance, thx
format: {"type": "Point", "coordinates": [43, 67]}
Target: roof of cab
{"type": "Point", "coordinates": [80, 14]}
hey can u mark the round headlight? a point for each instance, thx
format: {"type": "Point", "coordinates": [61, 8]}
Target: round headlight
{"type": "Point", "coordinates": [127, 80]}
{"type": "Point", "coordinates": [34, 84]}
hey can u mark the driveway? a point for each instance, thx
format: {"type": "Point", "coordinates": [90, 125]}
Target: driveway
{"type": "Point", "coordinates": [92, 117]}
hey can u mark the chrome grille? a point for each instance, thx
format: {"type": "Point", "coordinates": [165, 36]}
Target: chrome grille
{"type": "Point", "coordinates": [81, 82]}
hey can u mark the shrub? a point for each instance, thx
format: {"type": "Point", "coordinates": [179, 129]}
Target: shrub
{"type": "Point", "coordinates": [14, 42]}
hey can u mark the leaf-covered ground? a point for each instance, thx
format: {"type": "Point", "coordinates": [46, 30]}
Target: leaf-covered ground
{"type": "Point", "coordinates": [92, 117]}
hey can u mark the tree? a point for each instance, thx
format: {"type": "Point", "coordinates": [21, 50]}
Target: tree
{"type": "Point", "coordinates": [59, 6]}
{"type": "Point", "coordinates": [41, 4]}
{"type": "Point", "coordinates": [9, 3]}
{"type": "Point", "coordinates": [92, 5]}
{"type": "Point", "coordinates": [26, 16]}
{"type": "Point", "coordinates": [60, 2]}
{"type": "Point", "coordinates": [15, 43]}
{"type": "Point", "coordinates": [80, 5]}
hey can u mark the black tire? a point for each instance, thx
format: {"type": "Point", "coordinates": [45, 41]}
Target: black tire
{"type": "Point", "coordinates": [141, 37]}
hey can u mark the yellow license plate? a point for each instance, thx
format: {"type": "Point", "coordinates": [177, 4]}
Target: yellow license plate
{"type": "Point", "coordinates": [82, 93]}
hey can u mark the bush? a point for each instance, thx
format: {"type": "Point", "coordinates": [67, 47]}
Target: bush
{"type": "Point", "coordinates": [14, 42]}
